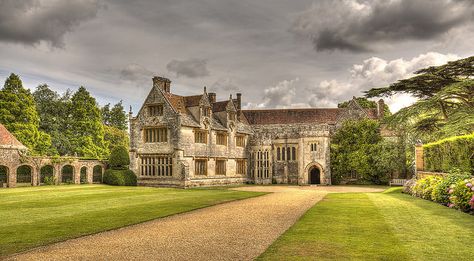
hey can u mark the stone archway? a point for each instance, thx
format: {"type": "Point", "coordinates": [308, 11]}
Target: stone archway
{"type": "Point", "coordinates": [47, 175]}
{"type": "Point", "coordinates": [67, 174]}
{"type": "Point", "coordinates": [317, 169]}
{"type": "Point", "coordinates": [314, 175]}
{"type": "Point", "coordinates": [83, 175]}
{"type": "Point", "coordinates": [97, 174]}
{"type": "Point", "coordinates": [4, 173]}
{"type": "Point", "coordinates": [24, 175]}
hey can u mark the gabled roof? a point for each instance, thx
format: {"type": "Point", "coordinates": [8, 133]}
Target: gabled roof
{"type": "Point", "coordinates": [8, 140]}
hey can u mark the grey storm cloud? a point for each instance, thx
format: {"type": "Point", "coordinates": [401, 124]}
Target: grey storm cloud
{"type": "Point", "coordinates": [359, 25]}
{"type": "Point", "coordinates": [192, 68]}
{"type": "Point", "coordinates": [135, 73]}
{"type": "Point", "coordinates": [32, 21]}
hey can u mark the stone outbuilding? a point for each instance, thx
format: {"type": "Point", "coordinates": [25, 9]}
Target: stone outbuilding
{"type": "Point", "coordinates": [17, 168]}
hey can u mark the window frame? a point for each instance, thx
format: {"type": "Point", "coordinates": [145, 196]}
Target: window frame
{"type": "Point", "coordinates": [197, 137]}
{"type": "Point", "coordinates": [196, 168]}
{"type": "Point", "coordinates": [224, 138]}
{"type": "Point", "coordinates": [152, 134]}
{"type": "Point", "coordinates": [152, 110]}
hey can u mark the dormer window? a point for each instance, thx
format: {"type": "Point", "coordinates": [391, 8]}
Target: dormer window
{"type": "Point", "coordinates": [232, 116]}
{"type": "Point", "coordinates": [155, 110]}
{"type": "Point", "coordinates": [206, 112]}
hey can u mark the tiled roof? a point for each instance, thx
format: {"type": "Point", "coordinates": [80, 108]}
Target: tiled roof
{"type": "Point", "coordinates": [192, 101]}
{"type": "Point", "coordinates": [289, 116]}
{"type": "Point", "coordinates": [219, 106]}
{"type": "Point", "coordinates": [7, 139]}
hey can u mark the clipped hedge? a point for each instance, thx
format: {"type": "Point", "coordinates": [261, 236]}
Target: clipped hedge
{"type": "Point", "coordinates": [119, 158]}
{"type": "Point", "coordinates": [443, 155]}
{"type": "Point", "coordinates": [120, 177]}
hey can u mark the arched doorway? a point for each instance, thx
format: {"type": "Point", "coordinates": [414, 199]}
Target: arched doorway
{"type": "Point", "coordinates": [47, 175]}
{"type": "Point", "coordinates": [97, 174]}
{"type": "Point", "coordinates": [314, 176]}
{"type": "Point", "coordinates": [24, 176]}
{"type": "Point", "coordinates": [83, 177]}
{"type": "Point", "coordinates": [3, 177]}
{"type": "Point", "coordinates": [67, 174]}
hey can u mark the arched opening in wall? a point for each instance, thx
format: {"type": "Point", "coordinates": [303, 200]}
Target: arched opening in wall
{"type": "Point", "coordinates": [67, 174]}
{"type": "Point", "coordinates": [23, 176]}
{"type": "Point", "coordinates": [47, 175]}
{"type": "Point", "coordinates": [3, 176]}
{"type": "Point", "coordinates": [97, 174]}
{"type": "Point", "coordinates": [314, 175]}
{"type": "Point", "coordinates": [83, 177]}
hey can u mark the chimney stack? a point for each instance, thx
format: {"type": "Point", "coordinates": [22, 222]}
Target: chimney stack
{"type": "Point", "coordinates": [239, 101]}
{"type": "Point", "coordinates": [212, 97]}
{"type": "Point", "coordinates": [380, 109]}
{"type": "Point", "coordinates": [162, 83]}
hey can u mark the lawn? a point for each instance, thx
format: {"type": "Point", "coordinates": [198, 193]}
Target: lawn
{"type": "Point", "coordinates": [35, 216]}
{"type": "Point", "coordinates": [376, 226]}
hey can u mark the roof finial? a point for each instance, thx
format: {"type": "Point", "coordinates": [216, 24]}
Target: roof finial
{"type": "Point", "coordinates": [205, 89]}
{"type": "Point", "coordinates": [230, 96]}
{"type": "Point", "coordinates": [130, 109]}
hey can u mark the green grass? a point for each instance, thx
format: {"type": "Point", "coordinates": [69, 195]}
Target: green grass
{"type": "Point", "coordinates": [35, 216]}
{"type": "Point", "coordinates": [376, 226]}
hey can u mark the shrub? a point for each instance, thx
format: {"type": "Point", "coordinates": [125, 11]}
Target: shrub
{"type": "Point", "coordinates": [119, 158]}
{"type": "Point", "coordinates": [409, 185]}
{"type": "Point", "coordinates": [443, 155]}
{"type": "Point", "coordinates": [120, 177]}
{"type": "Point", "coordinates": [440, 192]}
{"type": "Point", "coordinates": [424, 187]}
{"type": "Point", "coordinates": [462, 194]}
{"type": "Point", "coordinates": [49, 180]}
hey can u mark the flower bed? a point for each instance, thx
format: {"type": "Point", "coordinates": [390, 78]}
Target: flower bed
{"type": "Point", "coordinates": [455, 190]}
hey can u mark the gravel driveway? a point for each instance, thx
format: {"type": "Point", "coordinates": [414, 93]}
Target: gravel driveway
{"type": "Point", "coordinates": [239, 230]}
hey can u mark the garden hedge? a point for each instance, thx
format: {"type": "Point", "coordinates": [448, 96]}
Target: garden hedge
{"type": "Point", "coordinates": [120, 177]}
{"type": "Point", "coordinates": [453, 152]}
{"type": "Point", "coordinates": [119, 158]}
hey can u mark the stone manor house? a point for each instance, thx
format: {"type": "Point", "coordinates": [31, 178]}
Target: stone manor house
{"type": "Point", "coordinates": [188, 141]}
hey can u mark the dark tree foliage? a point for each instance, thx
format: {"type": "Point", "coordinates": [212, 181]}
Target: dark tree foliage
{"type": "Point", "coordinates": [114, 117]}
{"type": "Point", "coordinates": [86, 126]}
{"type": "Point", "coordinates": [18, 114]}
{"type": "Point", "coordinates": [358, 147]}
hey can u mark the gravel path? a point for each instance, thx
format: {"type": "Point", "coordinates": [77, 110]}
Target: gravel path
{"type": "Point", "coordinates": [239, 230]}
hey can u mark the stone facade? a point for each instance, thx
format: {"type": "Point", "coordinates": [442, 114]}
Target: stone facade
{"type": "Point", "coordinates": [188, 141]}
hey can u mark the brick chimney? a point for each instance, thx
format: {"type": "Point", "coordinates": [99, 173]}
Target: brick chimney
{"type": "Point", "coordinates": [380, 108]}
{"type": "Point", "coordinates": [162, 83]}
{"type": "Point", "coordinates": [212, 97]}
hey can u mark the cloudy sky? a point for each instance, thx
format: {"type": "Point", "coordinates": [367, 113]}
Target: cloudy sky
{"type": "Point", "coordinates": [278, 53]}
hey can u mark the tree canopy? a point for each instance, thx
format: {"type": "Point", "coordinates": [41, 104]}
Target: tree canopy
{"type": "Point", "coordinates": [445, 105]}
{"type": "Point", "coordinates": [69, 124]}
{"type": "Point", "coordinates": [19, 115]}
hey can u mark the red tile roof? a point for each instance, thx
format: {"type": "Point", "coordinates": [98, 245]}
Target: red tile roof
{"type": "Point", "coordinates": [7, 139]}
{"type": "Point", "coordinates": [289, 116]}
